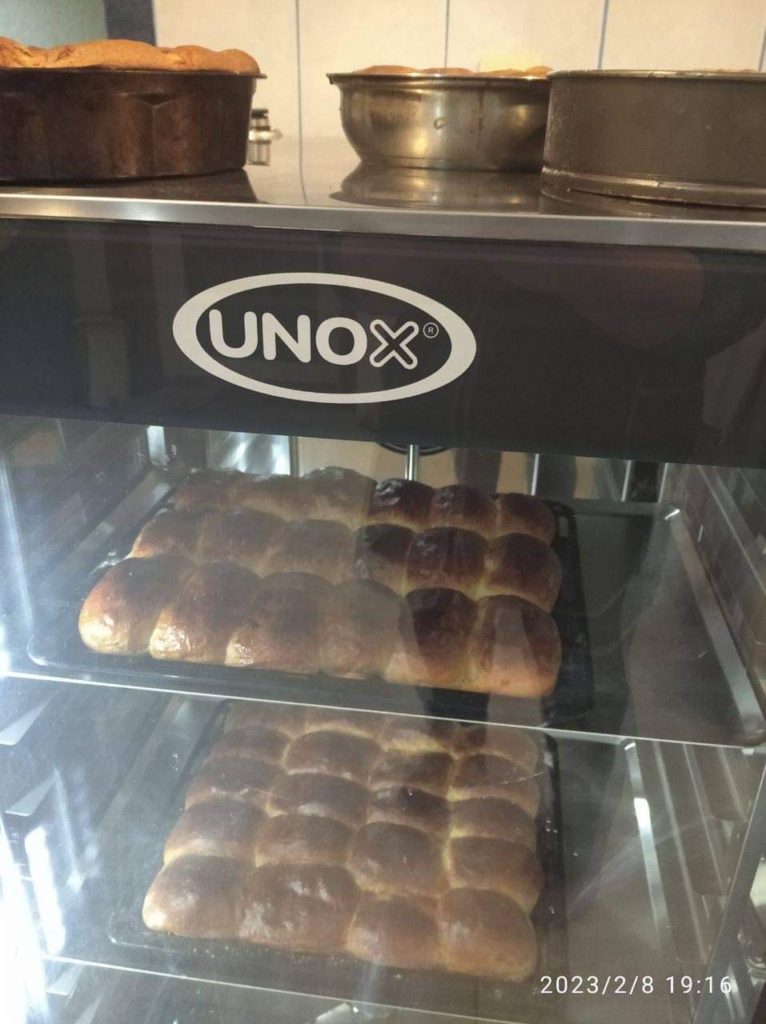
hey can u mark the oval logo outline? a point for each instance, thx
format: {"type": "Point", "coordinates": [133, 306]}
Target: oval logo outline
{"type": "Point", "coordinates": [461, 337]}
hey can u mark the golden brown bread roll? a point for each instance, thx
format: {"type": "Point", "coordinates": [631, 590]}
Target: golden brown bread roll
{"type": "Point", "coordinates": [333, 753]}
{"type": "Point", "coordinates": [394, 933]}
{"type": "Point", "coordinates": [175, 532]}
{"type": "Point", "coordinates": [133, 55]}
{"type": "Point", "coordinates": [485, 933]}
{"type": "Point", "coordinates": [341, 495]}
{"type": "Point", "coordinates": [493, 819]}
{"type": "Point", "coordinates": [394, 859]}
{"type": "Point", "coordinates": [327, 796]}
{"type": "Point", "coordinates": [287, 719]}
{"type": "Point", "coordinates": [380, 553]}
{"type": "Point", "coordinates": [15, 55]}
{"type": "Point", "coordinates": [359, 626]}
{"type": "Point", "coordinates": [481, 862]}
{"type": "Point", "coordinates": [401, 503]}
{"type": "Point", "coordinates": [253, 742]}
{"type": "Point", "coordinates": [417, 735]}
{"type": "Point", "coordinates": [281, 629]}
{"type": "Point", "coordinates": [290, 497]}
{"type": "Point", "coordinates": [359, 723]}
{"type": "Point", "coordinates": [464, 507]}
{"type": "Point", "coordinates": [311, 546]}
{"type": "Point", "coordinates": [204, 897]}
{"type": "Point", "coordinates": [446, 557]}
{"type": "Point", "coordinates": [221, 828]}
{"type": "Point", "coordinates": [198, 624]}
{"type": "Point", "coordinates": [299, 907]}
{"type": "Point", "coordinates": [427, 771]}
{"type": "Point", "coordinates": [430, 648]}
{"type": "Point", "coordinates": [121, 611]}
{"type": "Point", "coordinates": [244, 537]}
{"type": "Point", "coordinates": [234, 778]}
{"type": "Point", "coordinates": [302, 839]}
{"type": "Point", "coordinates": [209, 488]}
{"type": "Point", "coordinates": [514, 648]}
{"type": "Point", "coordinates": [517, 745]}
{"type": "Point", "coordinates": [406, 805]}
{"type": "Point", "coordinates": [486, 775]}
{"type": "Point", "coordinates": [523, 513]}
{"type": "Point", "coordinates": [524, 566]}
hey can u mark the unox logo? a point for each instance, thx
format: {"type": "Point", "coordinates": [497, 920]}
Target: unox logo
{"type": "Point", "coordinates": [315, 337]}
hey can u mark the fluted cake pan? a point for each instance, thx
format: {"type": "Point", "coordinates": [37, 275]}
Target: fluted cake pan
{"type": "Point", "coordinates": [97, 124]}
{"type": "Point", "coordinates": [681, 136]}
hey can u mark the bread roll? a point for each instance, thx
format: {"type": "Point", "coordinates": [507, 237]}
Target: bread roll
{"type": "Point", "coordinates": [523, 513]}
{"type": "Point", "coordinates": [464, 507]}
{"type": "Point", "coordinates": [493, 819]}
{"type": "Point", "coordinates": [342, 495]}
{"type": "Point", "coordinates": [430, 647]}
{"type": "Point", "coordinates": [302, 839]}
{"type": "Point", "coordinates": [513, 649]}
{"type": "Point", "coordinates": [289, 497]}
{"type": "Point", "coordinates": [299, 907]}
{"type": "Point", "coordinates": [198, 624]}
{"type": "Point", "coordinates": [222, 828]}
{"type": "Point", "coordinates": [287, 719]}
{"type": "Point", "coordinates": [16, 55]}
{"type": "Point", "coordinates": [486, 775]}
{"type": "Point", "coordinates": [406, 805]}
{"type": "Point", "coordinates": [396, 859]}
{"type": "Point", "coordinates": [108, 53]}
{"type": "Point", "coordinates": [234, 778]}
{"type": "Point", "coordinates": [480, 862]}
{"type": "Point", "coordinates": [401, 503]}
{"type": "Point", "coordinates": [485, 933]}
{"type": "Point", "coordinates": [199, 58]}
{"type": "Point", "coordinates": [360, 723]}
{"type": "Point", "coordinates": [120, 613]}
{"type": "Point", "coordinates": [418, 735]}
{"type": "Point", "coordinates": [252, 742]}
{"type": "Point", "coordinates": [517, 745]}
{"type": "Point", "coordinates": [394, 933]}
{"type": "Point", "coordinates": [311, 546]}
{"type": "Point", "coordinates": [332, 753]}
{"type": "Point", "coordinates": [281, 628]}
{"type": "Point", "coordinates": [358, 629]}
{"type": "Point", "coordinates": [323, 795]}
{"type": "Point", "coordinates": [203, 897]}
{"type": "Point", "coordinates": [380, 553]}
{"type": "Point", "coordinates": [523, 566]}
{"type": "Point", "coordinates": [209, 488]}
{"type": "Point", "coordinates": [244, 537]}
{"type": "Point", "coordinates": [426, 771]}
{"type": "Point", "coordinates": [446, 557]}
{"type": "Point", "coordinates": [170, 533]}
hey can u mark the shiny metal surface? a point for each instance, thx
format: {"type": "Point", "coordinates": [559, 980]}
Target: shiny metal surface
{"type": "Point", "coordinates": [449, 122]}
{"type": "Point", "coordinates": [689, 137]}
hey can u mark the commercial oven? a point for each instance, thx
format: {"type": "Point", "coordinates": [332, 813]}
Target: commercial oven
{"type": "Point", "coordinates": [214, 335]}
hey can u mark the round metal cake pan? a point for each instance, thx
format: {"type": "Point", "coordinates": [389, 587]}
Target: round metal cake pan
{"type": "Point", "coordinates": [92, 124]}
{"type": "Point", "coordinates": [686, 136]}
{"type": "Point", "coordinates": [448, 122]}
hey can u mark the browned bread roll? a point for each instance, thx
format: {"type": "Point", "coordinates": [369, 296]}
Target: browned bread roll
{"type": "Point", "coordinates": [514, 648]}
{"type": "Point", "coordinates": [170, 533]}
{"type": "Point", "coordinates": [459, 505]}
{"type": "Point", "coordinates": [204, 897]}
{"type": "Point", "coordinates": [286, 496]}
{"type": "Point", "coordinates": [403, 842]}
{"type": "Point", "coordinates": [521, 513]}
{"type": "Point", "coordinates": [482, 862]}
{"type": "Point", "coordinates": [196, 626]}
{"type": "Point", "coordinates": [234, 778]}
{"type": "Point", "coordinates": [299, 907]}
{"type": "Point", "coordinates": [401, 503]}
{"type": "Point", "coordinates": [210, 488]}
{"type": "Point", "coordinates": [121, 611]}
{"type": "Point", "coordinates": [380, 553]}
{"type": "Point", "coordinates": [311, 546]}
{"type": "Point", "coordinates": [486, 933]}
{"type": "Point", "coordinates": [245, 537]}
{"type": "Point", "coordinates": [522, 566]}
{"type": "Point", "coordinates": [430, 647]}
{"type": "Point", "coordinates": [358, 629]}
{"type": "Point", "coordinates": [393, 932]}
{"type": "Point", "coordinates": [340, 494]}
{"type": "Point", "coordinates": [16, 55]}
{"type": "Point", "coordinates": [446, 557]}
{"type": "Point", "coordinates": [220, 828]}
{"type": "Point", "coordinates": [281, 629]}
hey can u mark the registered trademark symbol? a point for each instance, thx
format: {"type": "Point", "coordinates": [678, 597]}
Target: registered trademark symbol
{"type": "Point", "coordinates": [431, 329]}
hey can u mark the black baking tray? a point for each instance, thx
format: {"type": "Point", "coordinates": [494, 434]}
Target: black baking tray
{"type": "Point", "coordinates": [340, 976]}
{"type": "Point", "coordinates": [55, 644]}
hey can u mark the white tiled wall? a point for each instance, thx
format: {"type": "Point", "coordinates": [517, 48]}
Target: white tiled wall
{"type": "Point", "coordinates": [298, 41]}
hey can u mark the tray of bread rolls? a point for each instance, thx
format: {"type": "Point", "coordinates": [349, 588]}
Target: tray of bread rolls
{"type": "Point", "coordinates": [365, 856]}
{"type": "Point", "coordinates": [333, 587]}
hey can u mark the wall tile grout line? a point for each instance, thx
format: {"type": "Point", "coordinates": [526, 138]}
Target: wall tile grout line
{"type": "Point", "coordinates": [602, 39]}
{"type": "Point", "coordinates": [762, 56]}
{"type": "Point", "coordinates": [300, 96]}
{"type": "Point", "coordinates": [446, 32]}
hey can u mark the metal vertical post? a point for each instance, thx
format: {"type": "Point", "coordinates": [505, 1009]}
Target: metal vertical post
{"type": "Point", "coordinates": [293, 455]}
{"type": "Point", "coordinates": [412, 468]}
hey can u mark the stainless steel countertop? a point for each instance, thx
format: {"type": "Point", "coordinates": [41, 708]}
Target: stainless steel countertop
{"type": "Point", "coordinates": [319, 186]}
